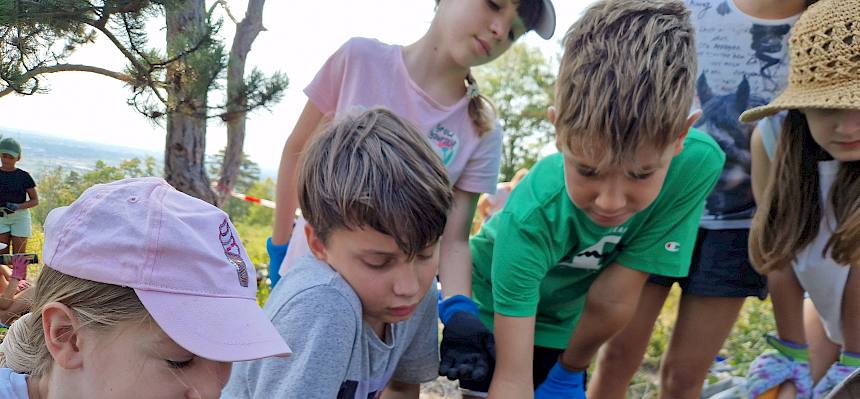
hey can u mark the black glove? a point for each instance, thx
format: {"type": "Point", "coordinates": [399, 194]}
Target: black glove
{"type": "Point", "coordinates": [468, 349]}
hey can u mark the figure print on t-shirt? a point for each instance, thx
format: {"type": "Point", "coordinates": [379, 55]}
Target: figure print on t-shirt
{"type": "Point", "coordinates": [594, 256]}
{"type": "Point", "coordinates": [743, 63]}
{"type": "Point", "coordinates": [445, 142]}
{"type": "Point", "coordinates": [767, 43]}
{"type": "Point", "coordinates": [720, 113]}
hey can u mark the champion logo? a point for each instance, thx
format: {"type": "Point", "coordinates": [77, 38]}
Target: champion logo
{"type": "Point", "coordinates": [673, 246]}
{"type": "Point", "coordinates": [232, 251]}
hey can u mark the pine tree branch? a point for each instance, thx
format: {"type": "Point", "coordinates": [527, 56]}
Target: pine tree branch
{"type": "Point", "coordinates": [72, 67]}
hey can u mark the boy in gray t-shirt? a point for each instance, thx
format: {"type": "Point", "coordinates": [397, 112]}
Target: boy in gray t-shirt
{"type": "Point", "coordinates": [360, 315]}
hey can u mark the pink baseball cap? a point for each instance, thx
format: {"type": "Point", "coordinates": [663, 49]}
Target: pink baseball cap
{"type": "Point", "coordinates": [181, 256]}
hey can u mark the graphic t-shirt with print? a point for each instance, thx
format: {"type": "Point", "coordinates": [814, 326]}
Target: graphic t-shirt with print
{"type": "Point", "coordinates": [366, 73]}
{"type": "Point", "coordinates": [539, 255]}
{"type": "Point", "coordinates": [742, 63]}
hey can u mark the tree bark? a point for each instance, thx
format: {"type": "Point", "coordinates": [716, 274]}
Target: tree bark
{"type": "Point", "coordinates": [246, 33]}
{"type": "Point", "coordinates": [184, 154]}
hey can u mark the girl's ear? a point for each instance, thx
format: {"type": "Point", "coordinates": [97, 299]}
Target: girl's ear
{"type": "Point", "coordinates": [62, 335]}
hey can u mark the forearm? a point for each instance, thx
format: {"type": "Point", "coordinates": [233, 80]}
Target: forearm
{"type": "Point", "coordinates": [286, 199]}
{"type": "Point", "coordinates": [514, 353]}
{"type": "Point", "coordinates": [28, 204]}
{"type": "Point", "coordinates": [609, 306]}
{"type": "Point", "coordinates": [399, 390]}
{"type": "Point", "coordinates": [286, 189]}
{"type": "Point", "coordinates": [455, 264]}
{"type": "Point", "coordinates": [598, 323]}
{"type": "Point", "coordinates": [786, 294]}
{"type": "Point", "coordinates": [455, 268]}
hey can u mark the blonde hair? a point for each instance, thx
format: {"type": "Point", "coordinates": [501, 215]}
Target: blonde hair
{"type": "Point", "coordinates": [789, 217]}
{"type": "Point", "coordinates": [375, 170]}
{"type": "Point", "coordinates": [627, 78]}
{"type": "Point", "coordinates": [96, 305]}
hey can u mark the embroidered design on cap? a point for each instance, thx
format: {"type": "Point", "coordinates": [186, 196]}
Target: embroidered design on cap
{"type": "Point", "coordinates": [232, 251]}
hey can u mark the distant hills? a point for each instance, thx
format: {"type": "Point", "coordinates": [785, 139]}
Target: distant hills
{"type": "Point", "coordinates": [44, 152]}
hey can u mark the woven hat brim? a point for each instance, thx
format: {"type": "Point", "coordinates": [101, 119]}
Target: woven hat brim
{"type": "Point", "coordinates": [841, 96]}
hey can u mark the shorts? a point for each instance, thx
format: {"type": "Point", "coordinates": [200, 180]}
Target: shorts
{"type": "Point", "coordinates": [543, 360]}
{"type": "Point", "coordinates": [17, 223]}
{"type": "Point", "coordinates": [720, 267]}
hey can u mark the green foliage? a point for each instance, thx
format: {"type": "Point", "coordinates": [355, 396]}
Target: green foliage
{"type": "Point", "coordinates": [520, 83]}
{"type": "Point", "coordinates": [38, 37]}
{"type": "Point", "coordinates": [58, 187]}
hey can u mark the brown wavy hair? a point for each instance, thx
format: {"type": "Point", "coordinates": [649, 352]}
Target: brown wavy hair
{"type": "Point", "coordinates": [375, 170]}
{"type": "Point", "coordinates": [789, 216]}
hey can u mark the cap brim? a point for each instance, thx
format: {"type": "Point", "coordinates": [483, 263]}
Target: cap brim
{"type": "Point", "coordinates": [215, 328]}
{"type": "Point", "coordinates": [827, 97]}
{"type": "Point", "coordinates": [545, 26]}
{"type": "Point", "coordinates": [12, 153]}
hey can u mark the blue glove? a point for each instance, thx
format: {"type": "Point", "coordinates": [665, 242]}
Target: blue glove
{"type": "Point", "coordinates": [276, 257]}
{"type": "Point", "coordinates": [468, 349]}
{"type": "Point", "coordinates": [562, 383]}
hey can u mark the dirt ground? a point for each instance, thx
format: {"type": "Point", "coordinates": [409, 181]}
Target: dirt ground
{"type": "Point", "coordinates": [442, 388]}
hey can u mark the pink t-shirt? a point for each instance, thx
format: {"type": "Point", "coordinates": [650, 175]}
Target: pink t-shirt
{"type": "Point", "coordinates": [366, 73]}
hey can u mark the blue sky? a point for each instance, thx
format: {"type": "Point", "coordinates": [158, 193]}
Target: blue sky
{"type": "Point", "coordinates": [300, 36]}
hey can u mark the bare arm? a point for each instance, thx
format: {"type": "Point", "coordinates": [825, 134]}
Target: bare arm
{"type": "Point", "coordinates": [32, 201]}
{"type": "Point", "coordinates": [786, 294]}
{"type": "Point", "coordinates": [760, 166]}
{"type": "Point", "coordinates": [286, 196]}
{"type": "Point", "coordinates": [514, 353]}
{"type": "Point", "coordinates": [609, 306]}
{"type": "Point", "coordinates": [455, 263]}
{"type": "Point", "coordinates": [399, 390]}
{"type": "Point", "coordinates": [484, 206]}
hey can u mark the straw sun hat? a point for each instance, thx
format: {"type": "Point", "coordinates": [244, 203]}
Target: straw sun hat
{"type": "Point", "coordinates": [825, 61]}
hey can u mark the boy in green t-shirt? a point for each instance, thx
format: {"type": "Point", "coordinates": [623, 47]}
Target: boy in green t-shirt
{"type": "Point", "coordinates": [560, 269]}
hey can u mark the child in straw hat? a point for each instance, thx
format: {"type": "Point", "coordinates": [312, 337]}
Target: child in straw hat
{"type": "Point", "coordinates": [805, 235]}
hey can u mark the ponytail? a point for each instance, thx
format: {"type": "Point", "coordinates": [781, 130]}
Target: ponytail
{"type": "Point", "coordinates": [17, 349]}
{"type": "Point", "coordinates": [481, 109]}
{"type": "Point", "coordinates": [97, 306]}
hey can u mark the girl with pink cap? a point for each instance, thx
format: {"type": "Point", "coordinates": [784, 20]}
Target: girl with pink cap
{"type": "Point", "coordinates": [156, 302]}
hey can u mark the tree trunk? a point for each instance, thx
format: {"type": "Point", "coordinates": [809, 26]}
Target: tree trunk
{"type": "Point", "coordinates": [185, 146]}
{"type": "Point", "coordinates": [246, 33]}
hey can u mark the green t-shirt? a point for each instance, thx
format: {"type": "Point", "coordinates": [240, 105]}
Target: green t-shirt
{"type": "Point", "coordinates": [539, 255]}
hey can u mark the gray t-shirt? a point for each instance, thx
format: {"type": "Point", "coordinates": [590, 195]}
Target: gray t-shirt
{"type": "Point", "coordinates": [335, 353]}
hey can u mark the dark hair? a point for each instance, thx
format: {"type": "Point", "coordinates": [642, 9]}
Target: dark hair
{"type": "Point", "coordinates": [375, 170]}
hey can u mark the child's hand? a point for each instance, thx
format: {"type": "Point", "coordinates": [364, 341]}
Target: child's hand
{"type": "Point", "coordinates": [562, 383]}
{"type": "Point", "coordinates": [19, 267]}
{"type": "Point", "coordinates": [22, 285]}
{"type": "Point", "coordinates": [468, 348]}
{"type": "Point", "coordinates": [788, 362]}
{"type": "Point", "coordinates": [10, 208]}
